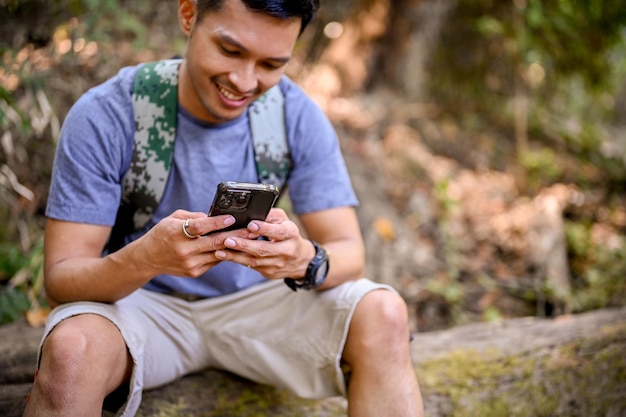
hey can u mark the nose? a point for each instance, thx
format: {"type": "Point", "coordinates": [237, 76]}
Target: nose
{"type": "Point", "coordinates": [245, 78]}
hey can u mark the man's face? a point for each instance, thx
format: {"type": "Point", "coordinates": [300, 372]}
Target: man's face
{"type": "Point", "coordinates": [234, 55]}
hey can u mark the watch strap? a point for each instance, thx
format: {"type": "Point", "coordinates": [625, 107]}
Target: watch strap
{"type": "Point", "coordinates": [309, 281]}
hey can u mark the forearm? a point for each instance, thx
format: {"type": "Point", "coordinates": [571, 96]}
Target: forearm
{"type": "Point", "coordinates": [106, 279]}
{"type": "Point", "coordinates": [346, 261]}
{"type": "Point", "coordinates": [337, 231]}
{"type": "Point", "coordinates": [74, 269]}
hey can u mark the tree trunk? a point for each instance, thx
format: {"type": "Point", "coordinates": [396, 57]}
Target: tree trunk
{"type": "Point", "coordinates": [569, 366]}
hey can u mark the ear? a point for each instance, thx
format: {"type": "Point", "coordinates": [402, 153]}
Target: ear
{"type": "Point", "coordinates": [186, 15]}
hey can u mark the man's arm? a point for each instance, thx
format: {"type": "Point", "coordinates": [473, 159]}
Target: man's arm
{"type": "Point", "coordinates": [337, 231]}
{"type": "Point", "coordinates": [74, 269]}
{"type": "Point", "coordinates": [71, 257]}
{"type": "Point", "coordinates": [287, 253]}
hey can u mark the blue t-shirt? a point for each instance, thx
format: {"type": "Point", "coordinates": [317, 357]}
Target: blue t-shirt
{"type": "Point", "coordinates": [95, 149]}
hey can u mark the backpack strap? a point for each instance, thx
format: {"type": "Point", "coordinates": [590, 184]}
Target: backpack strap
{"type": "Point", "coordinates": [155, 104]}
{"type": "Point", "coordinates": [271, 150]}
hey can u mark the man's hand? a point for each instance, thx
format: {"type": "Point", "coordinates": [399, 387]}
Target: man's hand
{"type": "Point", "coordinates": [285, 253]}
{"type": "Point", "coordinates": [168, 250]}
{"type": "Point", "coordinates": [74, 269]}
{"type": "Point", "coordinates": [281, 253]}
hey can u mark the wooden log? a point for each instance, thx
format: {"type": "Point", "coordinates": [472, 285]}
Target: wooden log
{"type": "Point", "coordinates": [18, 358]}
{"type": "Point", "coordinates": [574, 365]}
{"type": "Point", "coordinates": [570, 366]}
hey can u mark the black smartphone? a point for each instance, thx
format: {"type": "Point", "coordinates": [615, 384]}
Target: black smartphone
{"type": "Point", "coordinates": [244, 201]}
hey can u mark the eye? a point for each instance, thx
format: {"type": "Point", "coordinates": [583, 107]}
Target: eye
{"type": "Point", "coordinates": [270, 66]}
{"type": "Point", "coordinates": [229, 52]}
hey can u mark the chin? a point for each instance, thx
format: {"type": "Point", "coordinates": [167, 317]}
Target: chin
{"type": "Point", "coordinates": [225, 116]}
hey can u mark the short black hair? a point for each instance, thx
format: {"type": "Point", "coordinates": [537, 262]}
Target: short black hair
{"type": "Point", "coordinates": [281, 9]}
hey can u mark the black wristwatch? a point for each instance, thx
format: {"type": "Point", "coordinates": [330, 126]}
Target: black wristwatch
{"type": "Point", "coordinates": [316, 272]}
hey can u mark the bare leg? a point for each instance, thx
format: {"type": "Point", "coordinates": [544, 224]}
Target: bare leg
{"type": "Point", "coordinates": [383, 381]}
{"type": "Point", "coordinates": [83, 359]}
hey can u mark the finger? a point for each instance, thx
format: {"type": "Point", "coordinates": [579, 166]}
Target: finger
{"type": "Point", "coordinates": [245, 259]}
{"type": "Point", "coordinates": [233, 256]}
{"type": "Point", "coordinates": [276, 215]}
{"type": "Point", "coordinates": [273, 231]}
{"type": "Point", "coordinates": [199, 226]}
{"type": "Point", "coordinates": [255, 248]}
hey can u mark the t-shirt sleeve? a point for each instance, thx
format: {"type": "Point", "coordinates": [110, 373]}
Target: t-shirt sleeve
{"type": "Point", "coordinates": [92, 154]}
{"type": "Point", "coordinates": [319, 179]}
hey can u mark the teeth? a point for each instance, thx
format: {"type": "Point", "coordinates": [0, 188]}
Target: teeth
{"type": "Point", "coordinates": [229, 95]}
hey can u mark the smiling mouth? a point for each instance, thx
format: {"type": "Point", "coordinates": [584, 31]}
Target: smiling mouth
{"type": "Point", "coordinates": [230, 95]}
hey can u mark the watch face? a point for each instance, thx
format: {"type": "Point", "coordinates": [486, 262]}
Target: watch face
{"type": "Point", "coordinates": [321, 273]}
{"type": "Point", "coordinates": [318, 268]}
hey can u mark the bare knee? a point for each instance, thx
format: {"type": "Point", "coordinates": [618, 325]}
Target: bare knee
{"type": "Point", "coordinates": [81, 351]}
{"type": "Point", "coordinates": [70, 344]}
{"type": "Point", "coordinates": [379, 326]}
{"type": "Point", "coordinates": [384, 310]}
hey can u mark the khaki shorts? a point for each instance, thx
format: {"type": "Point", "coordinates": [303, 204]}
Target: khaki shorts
{"type": "Point", "coordinates": [266, 333]}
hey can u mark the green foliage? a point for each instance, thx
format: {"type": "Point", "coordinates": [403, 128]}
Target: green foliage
{"type": "Point", "coordinates": [565, 58]}
{"type": "Point", "coordinates": [24, 290]}
{"type": "Point", "coordinates": [542, 79]}
{"type": "Point", "coordinates": [40, 44]}
{"type": "Point", "coordinates": [101, 20]}
{"type": "Point", "coordinates": [13, 304]}
{"type": "Point", "coordinates": [26, 120]}
{"type": "Point", "coordinates": [541, 167]}
{"type": "Point", "coordinates": [448, 285]}
{"type": "Point", "coordinates": [451, 253]}
{"type": "Point", "coordinates": [574, 37]}
{"type": "Point", "coordinates": [98, 16]}
{"type": "Point", "coordinates": [11, 260]}
{"type": "Point", "coordinates": [599, 271]}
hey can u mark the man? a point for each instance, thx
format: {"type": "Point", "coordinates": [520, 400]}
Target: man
{"type": "Point", "coordinates": [176, 299]}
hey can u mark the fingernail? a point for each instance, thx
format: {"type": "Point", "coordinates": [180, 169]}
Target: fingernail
{"type": "Point", "coordinates": [229, 220]}
{"type": "Point", "coordinates": [219, 254]}
{"type": "Point", "coordinates": [230, 243]}
{"type": "Point", "coordinates": [253, 227]}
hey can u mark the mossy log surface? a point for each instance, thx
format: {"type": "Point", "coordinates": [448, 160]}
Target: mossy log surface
{"type": "Point", "coordinates": [569, 366]}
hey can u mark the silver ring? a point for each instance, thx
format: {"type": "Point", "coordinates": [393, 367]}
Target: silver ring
{"type": "Point", "coordinates": [185, 226]}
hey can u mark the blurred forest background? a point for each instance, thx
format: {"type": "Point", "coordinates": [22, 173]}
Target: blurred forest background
{"type": "Point", "coordinates": [486, 140]}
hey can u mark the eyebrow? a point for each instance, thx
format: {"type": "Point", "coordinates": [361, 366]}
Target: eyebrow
{"type": "Point", "coordinates": [225, 37]}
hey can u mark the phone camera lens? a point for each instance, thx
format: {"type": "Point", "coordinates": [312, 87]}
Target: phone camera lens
{"type": "Point", "coordinates": [226, 203]}
{"type": "Point", "coordinates": [241, 199]}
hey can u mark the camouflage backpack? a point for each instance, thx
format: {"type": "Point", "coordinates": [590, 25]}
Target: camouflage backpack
{"type": "Point", "coordinates": [155, 104]}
